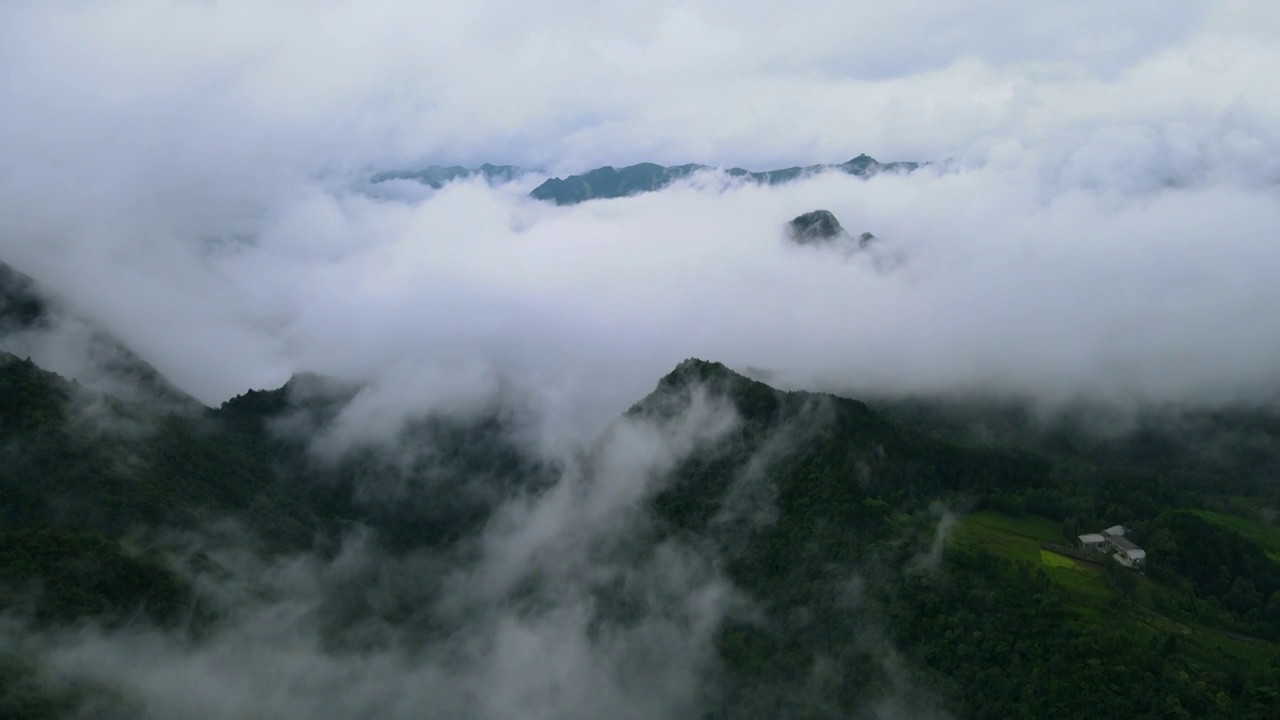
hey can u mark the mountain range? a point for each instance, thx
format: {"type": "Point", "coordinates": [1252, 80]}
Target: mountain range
{"type": "Point", "coordinates": [731, 550]}
{"type": "Point", "coordinates": [610, 182]}
{"type": "Point", "coordinates": [437, 176]}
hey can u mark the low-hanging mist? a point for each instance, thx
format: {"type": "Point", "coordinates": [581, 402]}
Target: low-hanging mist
{"type": "Point", "coordinates": [279, 440]}
{"type": "Point", "coordinates": [1095, 221]}
{"type": "Point", "coordinates": [571, 601]}
{"type": "Point", "coordinates": [1153, 297]}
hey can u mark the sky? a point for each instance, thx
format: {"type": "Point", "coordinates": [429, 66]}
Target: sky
{"type": "Point", "coordinates": [575, 84]}
{"type": "Point", "coordinates": [191, 175]}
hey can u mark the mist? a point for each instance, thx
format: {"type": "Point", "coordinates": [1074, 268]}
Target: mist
{"type": "Point", "coordinates": [1086, 237]}
{"type": "Point", "coordinates": [1160, 296]}
{"type": "Point", "coordinates": [549, 612]}
{"type": "Point", "coordinates": [1095, 226]}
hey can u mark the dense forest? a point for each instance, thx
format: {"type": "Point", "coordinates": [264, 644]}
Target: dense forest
{"type": "Point", "coordinates": [891, 559]}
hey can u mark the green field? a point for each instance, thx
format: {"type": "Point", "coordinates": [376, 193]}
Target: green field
{"type": "Point", "coordinates": [1076, 576]}
{"type": "Point", "coordinates": [1009, 537]}
{"type": "Point", "coordinates": [1019, 538]}
{"type": "Point", "coordinates": [1052, 559]}
{"type": "Point", "coordinates": [1266, 536]}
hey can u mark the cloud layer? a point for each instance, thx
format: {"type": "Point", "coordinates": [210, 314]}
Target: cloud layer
{"type": "Point", "coordinates": [554, 611]}
{"type": "Point", "coordinates": [323, 85]}
{"type": "Point", "coordinates": [191, 176]}
{"type": "Point", "coordinates": [1001, 283]}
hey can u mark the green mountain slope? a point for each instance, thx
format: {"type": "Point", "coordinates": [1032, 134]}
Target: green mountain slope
{"type": "Point", "coordinates": [850, 501]}
{"type": "Point", "coordinates": [83, 461]}
{"type": "Point", "coordinates": [1222, 450]}
{"type": "Point", "coordinates": [881, 563]}
{"type": "Point", "coordinates": [30, 314]}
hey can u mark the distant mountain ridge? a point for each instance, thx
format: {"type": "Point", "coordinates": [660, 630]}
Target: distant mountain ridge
{"type": "Point", "coordinates": [609, 182]}
{"type": "Point", "coordinates": [437, 176]}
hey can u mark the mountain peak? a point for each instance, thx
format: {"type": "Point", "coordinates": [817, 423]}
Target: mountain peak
{"type": "Point", "coordinates": [815, 226]}
{"type": "Point", "coordinates": [608, 182]}
{"type": "Point", "coordinates": [673, 390]}
{"type": "Point", "coordinates": [696, 369]}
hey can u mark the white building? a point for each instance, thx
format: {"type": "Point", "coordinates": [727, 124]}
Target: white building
{"type": "Point", "coordinates": [1127, 552]}
{"type": "Point", "coordinates": [1113, 540]}
{"type": "Point", "coordinates": [1093, 541]}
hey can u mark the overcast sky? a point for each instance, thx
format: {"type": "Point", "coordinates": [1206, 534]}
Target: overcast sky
{"type": "Point", "coordinates": [587, 83]}
{"type": "Point", "coordinates": [183, 172]}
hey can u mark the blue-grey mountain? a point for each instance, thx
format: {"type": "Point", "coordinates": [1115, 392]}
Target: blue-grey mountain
{"type": "Point", "coordinates": [437, 176]}
{"type": "Point", "coordinates": [610, 182]}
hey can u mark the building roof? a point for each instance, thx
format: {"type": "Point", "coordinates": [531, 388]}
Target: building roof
{"type": "Point", "coordinates": [1092, 538]}
{"type": "Point", "coordinates": [1136, 553]}
{"type": "Point", "coordinates": [1116, 530]}
{"type": "Point", "coordinates": [1125, 544]}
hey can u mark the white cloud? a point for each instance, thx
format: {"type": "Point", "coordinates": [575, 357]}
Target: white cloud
{"type": "Point", "coordinates": [1052, 283]}
{"type": "Point", "coordinates": [319, 84]}
{"type": "Point", "coordinates": [180, 171]}
{"type": "Point", "coordinates": [519, 628]}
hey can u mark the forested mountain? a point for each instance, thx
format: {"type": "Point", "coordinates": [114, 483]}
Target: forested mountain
{"type": "Point", "coordinates": [437, 176]}
{"type": "Point", "coordinates": [820, 227]}
{"type": "Point", "coordinates": [32, 323]}
{"type": "Point", "coordinates": [784, 554]}
{"type": "Point", "coordinates": [1232, 448]}
{"type": "Point", "coordinates": [610, 182]}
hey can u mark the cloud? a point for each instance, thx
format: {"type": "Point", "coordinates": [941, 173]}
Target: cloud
{"type": "Point", "coordinates": [247, 88]}
{"type": "Point", "coordinates": [191, 188]}
{"type": "Point", "coordinates": [555, 612]}
{"type": "Point", "coordinates": [1104, 279]}
{"type": "Point", "coordinates": [571, 603]}
{"type": "Point", "coordinates": [198, 190]}
{"type": "Point", "coordinates": [378, 412]}
{"type": "Point", "coordinates": [930, 560]}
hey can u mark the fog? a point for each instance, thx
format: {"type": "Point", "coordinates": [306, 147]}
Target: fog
{"type": "Point", "coordinates": [1097, 223]}
{"type": "Point", "coordinates": [1001, 285]}
{"type": "Point", "coordinates": [553, 611]}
